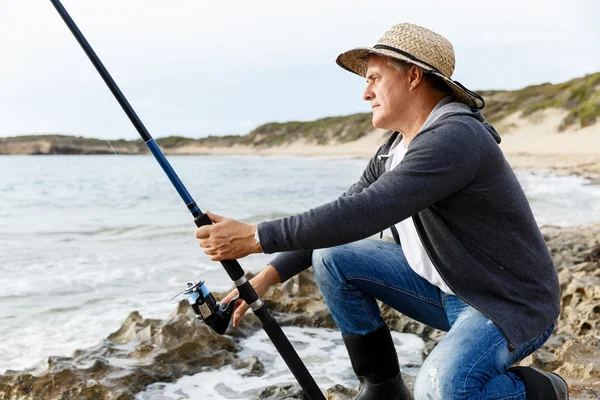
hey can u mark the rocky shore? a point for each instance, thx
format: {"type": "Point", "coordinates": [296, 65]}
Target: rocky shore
{"type": "Point", "coordinates": [145, 351]}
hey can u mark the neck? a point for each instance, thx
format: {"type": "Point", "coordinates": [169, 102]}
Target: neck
{"type": "Point", "coordinates": [421, 109]}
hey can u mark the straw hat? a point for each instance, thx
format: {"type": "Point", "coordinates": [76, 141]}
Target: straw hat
{"type": "Point", "coordinates": [417, 45]}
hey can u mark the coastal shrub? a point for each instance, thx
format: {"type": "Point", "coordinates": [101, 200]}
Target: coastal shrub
{"type": "Point", "coordinates": [588, 113]}
{"type": "Point", "coordinates": [578, 96]}
{"type": "Point", "coordinates": [320, 131]}
{"type": "Point", "coordinates": [173, 141]}
{"type": "Point", "coordinates": [223, 141]}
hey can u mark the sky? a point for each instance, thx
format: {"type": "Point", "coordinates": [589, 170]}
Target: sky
{"type": "Point", "coordinates": [197, 68]}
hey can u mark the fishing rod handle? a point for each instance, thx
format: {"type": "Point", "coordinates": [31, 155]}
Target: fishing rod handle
{"type": "Point", "coordinates": [236, 273]}
{"type": "Point", "coordinates": [269, 324]}
{"type": "Point", "coordinates": [233, 268]}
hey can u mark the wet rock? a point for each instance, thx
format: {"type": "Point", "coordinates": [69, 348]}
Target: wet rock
{"type": "Point", "coordinates": [299, 302]}
{"type": "Point", "coordinates": [340, 392]}
{"type": "Point", "coordinates": [573, 351]}
{"type": "Point", "coordinates": [579, 359]}
{"type": "Point", "coordinates": [401, 323]}
{"type": "Point", "coordinates": [131, 328]}
{"type": "Point", "coordinates": [594, 255]}
{"type": "Point", "coordinates": [281, 392]}
{"type": "Point", "coordinates": [254, 366]}
{"type": "Point", "coordinates": [141, 352]}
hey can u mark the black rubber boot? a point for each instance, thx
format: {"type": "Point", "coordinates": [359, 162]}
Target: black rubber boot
{"type": "Point", "coordinates": [375, 363]}
{"type": "Point", "coordinates": [541, 385]}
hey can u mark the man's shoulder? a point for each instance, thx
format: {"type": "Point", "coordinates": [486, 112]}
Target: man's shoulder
{"type": "Point", "coordinates": [458, 122]}
{"type": "Point", "coordinates": [451, 129]}
{"type": "Point", "coordinates": [458, 128]}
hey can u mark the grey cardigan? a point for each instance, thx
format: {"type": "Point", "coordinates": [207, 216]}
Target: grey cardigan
{"type": "Point", "coordinates": [469, 210]}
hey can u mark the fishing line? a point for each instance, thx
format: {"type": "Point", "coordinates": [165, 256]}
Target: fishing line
{"type": "Point", "coordinates": [111, 147]}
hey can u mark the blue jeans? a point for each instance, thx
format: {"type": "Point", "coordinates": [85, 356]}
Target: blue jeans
{"type": "Point", "coordinates": [470, 362]}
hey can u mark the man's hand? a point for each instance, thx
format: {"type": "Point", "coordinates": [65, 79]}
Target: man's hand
{"type": "Point", "coordinates": [227, 239]}
{"type": "Point", "coordinates": [261, 282]}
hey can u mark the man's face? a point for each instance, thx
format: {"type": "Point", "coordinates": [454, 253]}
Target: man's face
{"type": "Point", "coordinates": [389, 93]}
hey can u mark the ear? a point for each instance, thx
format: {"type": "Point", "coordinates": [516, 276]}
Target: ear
{"type": "Point", "coordinates": [415, 76]}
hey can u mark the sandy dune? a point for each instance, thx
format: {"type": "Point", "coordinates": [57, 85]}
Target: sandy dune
{"type": "Point", "coordinates": [535, 143]}
{"type": "Point", "coordinates": [531, 143]}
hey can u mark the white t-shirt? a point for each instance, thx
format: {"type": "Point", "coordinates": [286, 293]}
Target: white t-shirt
{"type": "Point", "coordinates": [412, 246]}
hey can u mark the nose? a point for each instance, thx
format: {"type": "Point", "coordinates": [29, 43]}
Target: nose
{"type": "Point", "coordinates": [368, 94]}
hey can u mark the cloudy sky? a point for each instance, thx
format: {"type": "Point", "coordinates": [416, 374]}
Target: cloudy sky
{"type": "Point", "coordinates": [197, 67]}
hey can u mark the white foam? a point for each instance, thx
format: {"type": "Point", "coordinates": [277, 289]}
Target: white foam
{"type": "Point", "coordinates": [562, 200]}
{"type": "Point", "coordinates": [322, 351]}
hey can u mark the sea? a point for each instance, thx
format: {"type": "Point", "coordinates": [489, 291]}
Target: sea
{"type": "Point", "coordinates": [85, 240]}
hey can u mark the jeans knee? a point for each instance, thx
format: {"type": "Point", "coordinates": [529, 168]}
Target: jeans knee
{"type": "Point", "coordinates": [424, 383]}
{"type": "Point", "coordinates": [434, 383]}
{"type": "Point", "coordinates": [324, 265]}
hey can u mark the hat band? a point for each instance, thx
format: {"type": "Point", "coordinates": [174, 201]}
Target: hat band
{"type": "Point", "coordinates": [471, 93]}
{"type": "Point", "coordinates": [433, 69]}
{"type": "Point", "coordinates": [405, 54]}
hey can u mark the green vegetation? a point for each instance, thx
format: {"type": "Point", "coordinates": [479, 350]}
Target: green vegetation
{"type": "Point", "coordinates": [54, 138]}
{"type": "Point", "coordinates": [223, 141]}
{"type": "Point", "coordinates": [320, 131]}
{"type": "Point", "coordinates": [173, 141]}
{"type": "Point", "coordinates": [64, 144]}
{"type": "Point", "coordinates": [580, 96]}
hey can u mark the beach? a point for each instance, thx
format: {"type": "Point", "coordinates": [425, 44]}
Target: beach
{"type": "Point", "coordinates": [532, 143]}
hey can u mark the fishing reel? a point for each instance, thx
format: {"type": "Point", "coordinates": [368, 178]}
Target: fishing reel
{"type": "Point", "coordinates": [215, 315]}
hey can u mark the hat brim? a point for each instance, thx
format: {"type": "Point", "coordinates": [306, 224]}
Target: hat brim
{"type": "Point", "coordinates": [356, 61]}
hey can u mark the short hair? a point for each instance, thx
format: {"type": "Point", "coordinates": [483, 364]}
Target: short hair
{"type": "Point", "coordinates": [399, 65]}
{"type": "Point", "coordinates": [434, 81]}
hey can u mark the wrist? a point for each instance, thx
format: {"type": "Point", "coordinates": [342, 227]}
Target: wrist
{"type": "Point", "coordinates": [270, 275]}
{"type": "Point", "coordinates": [257, 247]}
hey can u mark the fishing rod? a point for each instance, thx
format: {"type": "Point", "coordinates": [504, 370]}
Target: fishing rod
{"type": "Point", "coordinates": [215, 315]}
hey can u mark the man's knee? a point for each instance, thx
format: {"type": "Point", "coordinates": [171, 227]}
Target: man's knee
{"type": "Point", "coordinates": [325, 266]}
{"type": "Point", "coordinates": [436, 381]}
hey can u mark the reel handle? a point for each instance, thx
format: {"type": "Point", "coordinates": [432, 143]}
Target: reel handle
{"type": "Point", "coordinates": [220, 319]}
{"type": "Point", "coordinates": [216, 315]}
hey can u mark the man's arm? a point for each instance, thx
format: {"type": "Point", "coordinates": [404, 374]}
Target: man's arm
{"type": "Point", "coordinates": [374, 169]}
{"type": "Point", "coordinates": [438, 163]}
{"type": "Point", "coordinates": [291, 263]}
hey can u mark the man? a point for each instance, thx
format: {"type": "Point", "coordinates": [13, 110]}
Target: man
{"type": "Point", "coordinates": [468, 259]}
